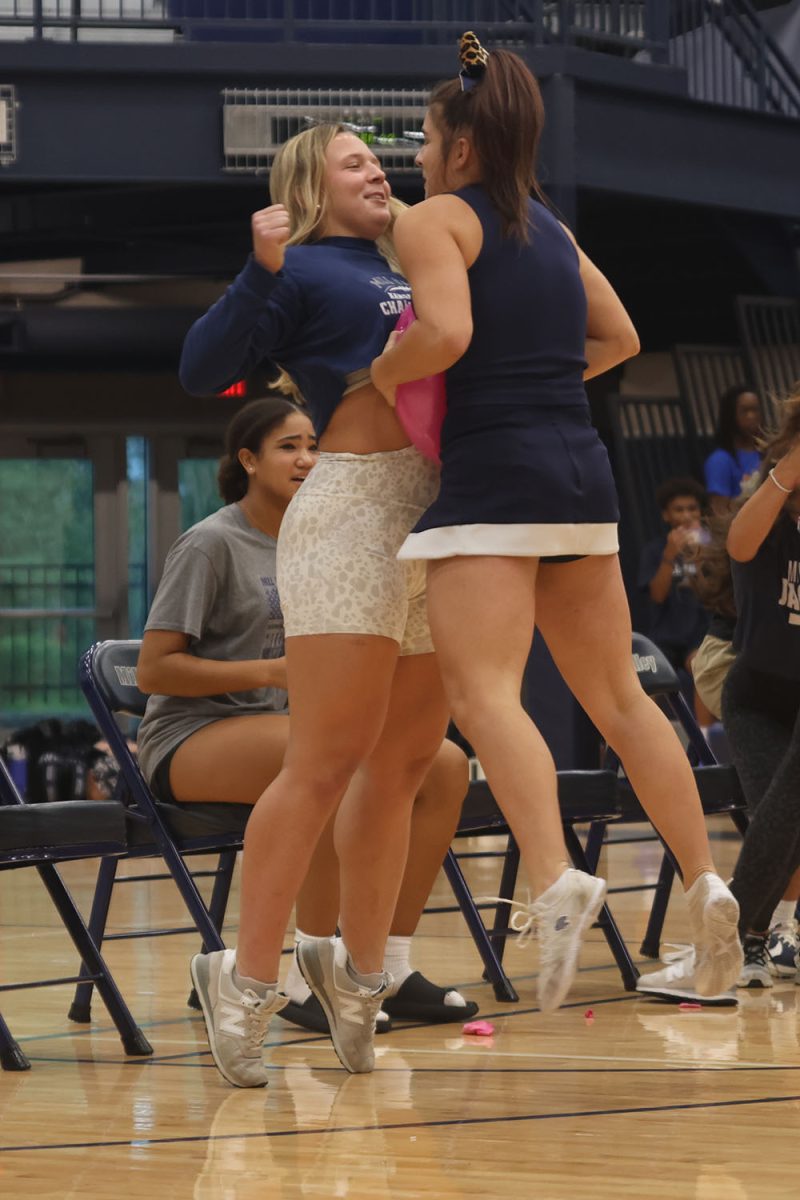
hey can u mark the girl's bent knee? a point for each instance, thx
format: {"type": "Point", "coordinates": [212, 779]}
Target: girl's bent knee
{"type": "Point", "coordinates": [321, 783]}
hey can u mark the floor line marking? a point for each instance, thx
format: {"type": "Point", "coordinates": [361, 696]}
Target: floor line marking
{"type": "Point", "coordinates": [145, 1143]}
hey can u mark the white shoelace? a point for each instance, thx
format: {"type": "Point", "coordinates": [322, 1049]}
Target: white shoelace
{"type": "Point", "coordinates": [256, 1019]}
{"type": "Point", "coordinates": [523, 922]}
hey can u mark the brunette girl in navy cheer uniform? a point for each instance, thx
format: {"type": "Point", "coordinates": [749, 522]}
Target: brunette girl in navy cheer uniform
{"type": "Point", "coordinates": [524, 529]}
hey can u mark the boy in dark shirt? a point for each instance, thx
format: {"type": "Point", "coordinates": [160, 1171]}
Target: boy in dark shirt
{"type": "Point", "coordinates": [678, 622]}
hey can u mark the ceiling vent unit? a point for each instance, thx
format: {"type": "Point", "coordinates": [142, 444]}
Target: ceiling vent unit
{"type": "Point", "coordinates": [256, 122]}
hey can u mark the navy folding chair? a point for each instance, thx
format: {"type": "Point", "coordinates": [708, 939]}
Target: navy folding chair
{"type": "Point", "coordinates": [40, 835]}
{"type": "Point", "coordinates": [717, 783]}
{"type": "Point", "coordinates": [175, 832]}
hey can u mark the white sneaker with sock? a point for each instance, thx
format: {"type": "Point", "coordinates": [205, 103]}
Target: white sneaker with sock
{"type": "Point", "coordinates": [350, 1006]}
{"type": "Point", "coordinates": [299, 992]}
{"type": "Point", "coordinates": [236, 1021]}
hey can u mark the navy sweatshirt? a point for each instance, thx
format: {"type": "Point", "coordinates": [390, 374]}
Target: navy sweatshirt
{"type": "Point", "coordinates": [327, 313]}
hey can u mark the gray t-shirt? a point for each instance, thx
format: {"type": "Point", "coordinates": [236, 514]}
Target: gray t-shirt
{"type": "Point", "coordinates": [218, 587]}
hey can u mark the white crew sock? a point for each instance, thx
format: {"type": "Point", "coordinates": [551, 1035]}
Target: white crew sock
{"type": "Point", "coordinates": [396, 959]}
{"type": "Point", "coordinates": [784, 912]}
{"type": "Point", "coordinates": [296, 987]}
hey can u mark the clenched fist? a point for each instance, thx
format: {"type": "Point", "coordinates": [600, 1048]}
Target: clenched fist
{"type": "Point", "coordinates": [270, 235]}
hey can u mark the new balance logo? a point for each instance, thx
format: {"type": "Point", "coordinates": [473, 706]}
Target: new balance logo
{"type": "Point", "coordinates": [351, 1010]}
{"type": "Point", "coordinates": [126, 676]}
{"type": "Point", "coordinates": [231, 1020]}
{"type": "Point", "coordinates": [561, 923]}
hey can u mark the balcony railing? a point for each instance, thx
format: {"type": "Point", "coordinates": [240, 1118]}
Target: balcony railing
{"type": "Point", "coordinates": [728, 56]}
{"type": "Point", "coordinates": [47, 619]}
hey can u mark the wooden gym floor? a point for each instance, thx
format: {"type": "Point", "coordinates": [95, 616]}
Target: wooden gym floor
{"type": "Point", "coordinates": [642, 1100]}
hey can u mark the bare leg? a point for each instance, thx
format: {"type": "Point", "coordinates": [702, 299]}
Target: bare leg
{"type": "Point", "coordinates": [340, 686]}
{"type": "Point", "coordinates": [436, 814]}
{"type": "Point", "coordinates": [434, 818]}
{"type": "Point", "coordinates": [482, 614]}
{"type": "Point", "coordinates": [231, 760]}
{"type": "Point", "coordinates": [201, 772]}
{"type": "Point", "coordinates": [317, 907]}
{"type": "Point", "coordinates": [793, 890]}
{"type": "Point", "coordinates": [583, 615]}
{"type": "Point", "coordinates": [372, 826]}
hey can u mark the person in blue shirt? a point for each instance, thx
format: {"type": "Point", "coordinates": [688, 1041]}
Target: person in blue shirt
{"type": "Point", "coordinates": [737, 458]}
{"type": "Point", "coordinates": [523, 533]}
{"type": "Point", "coordinates": [318, 298]}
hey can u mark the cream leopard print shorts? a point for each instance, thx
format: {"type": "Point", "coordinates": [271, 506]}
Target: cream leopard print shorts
{"type": "Point", "coordinates": [337, 550]}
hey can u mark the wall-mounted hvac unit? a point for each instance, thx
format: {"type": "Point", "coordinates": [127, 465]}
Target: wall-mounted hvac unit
{"type": "Point", "coordinates": [256, 121]}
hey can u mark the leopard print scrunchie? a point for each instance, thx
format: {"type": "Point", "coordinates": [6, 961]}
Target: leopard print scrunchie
{"type": "Point", "coordinates": [473, 60]}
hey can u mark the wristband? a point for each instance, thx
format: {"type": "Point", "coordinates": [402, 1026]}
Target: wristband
{"type": "Point", "coordinates": [786, 491]}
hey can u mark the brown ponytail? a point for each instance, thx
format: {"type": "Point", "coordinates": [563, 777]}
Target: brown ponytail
{"type": "Point", "coordinates": [503, 114]}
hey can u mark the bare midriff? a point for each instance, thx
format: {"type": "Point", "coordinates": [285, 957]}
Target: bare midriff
{"type": "Point", "coordinates": [363, 423]}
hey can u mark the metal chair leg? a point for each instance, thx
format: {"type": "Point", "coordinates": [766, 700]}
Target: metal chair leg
{"type": "Point", "coordinates": [218, 905]}
{"type": "Point", "coordinates": [651, 943]}
{"type": "Point", "coordinates": [605, 920]}
{"type": "Point", "coordinates": [80, 1009]}
{"type": "Point", "coordinates": [133, 1039]}
{"type": "Point", "coordinates": [503, 988]}
{"type": "Point", "coordinates": [11, 1057]}
{"type": "Point", "coordinates": [502, 913]}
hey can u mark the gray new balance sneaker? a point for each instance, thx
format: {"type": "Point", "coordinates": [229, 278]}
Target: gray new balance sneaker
{"type": "Point", "coordinates": [351, 1009]}
{"type": "Point", "coordinates": [236, 1022]}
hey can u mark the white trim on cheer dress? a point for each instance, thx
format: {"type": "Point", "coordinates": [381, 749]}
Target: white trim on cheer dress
{"type": "Point", "coordinates": [517, 540]}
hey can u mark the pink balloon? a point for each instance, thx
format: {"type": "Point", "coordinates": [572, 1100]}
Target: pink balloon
{"type": "Point", "coordinates": [421, 403]}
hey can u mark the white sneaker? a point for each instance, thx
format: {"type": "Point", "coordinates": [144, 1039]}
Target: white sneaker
{"type": "Point", "coordinates": [236, 1022]}
{"type": "Point", "coordinates": [676, 982]}
{"type": "Point", "coordinates": [350, 1007]}
{"type": "Point", "coordinates": [756, 971]}
{"type": "Point", "coordinates": [562, 916]}
{"type": "Point", "coordinates": [714, 918]}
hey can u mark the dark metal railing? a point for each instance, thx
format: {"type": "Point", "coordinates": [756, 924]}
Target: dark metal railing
{"type": "Point", "coordinates": [47, 619]}
{"type": "Point", "coordinates": [727, 54]}
{"type": "Point", "coordinates": [730, 58]}
{"type": "Point", "coordinates": [770, 331]}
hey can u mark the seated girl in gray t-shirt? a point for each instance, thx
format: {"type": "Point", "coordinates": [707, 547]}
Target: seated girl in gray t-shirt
{"type": "Point", "coordinates": [217, 725]}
